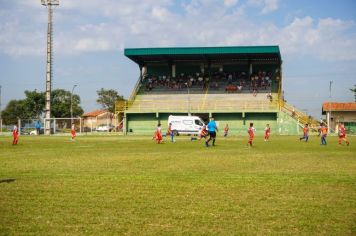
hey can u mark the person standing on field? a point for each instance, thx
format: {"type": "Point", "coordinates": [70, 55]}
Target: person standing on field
{"type": "Point", "coordinates": [267, 132]}
{"type": "Point", "coordinates": [324, 132]}
{"type": "Point", "coordinates": [170, 132]}
{"type": "Point", "coordinates": [226, 130]}
{"type": "Point", "coordinates": [15, 135]}
{"type": "Point", "coordinates": [38, 127]}
{"type": "Point", "coordinates": [342, 134]}
{"type": "Point", "coordinates": [158, 134]}
{"type": "Point", "coordinates": [72, 132]}
{"type": "Point", "coordinates": [305, 133]}
{"type": "Point", "coordinates": [251, 132]}
{"type": "Point", "coordinates": [212, 129]}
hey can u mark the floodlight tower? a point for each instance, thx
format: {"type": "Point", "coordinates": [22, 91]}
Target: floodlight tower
{"type": "Point", "coordinates": [49, 73]}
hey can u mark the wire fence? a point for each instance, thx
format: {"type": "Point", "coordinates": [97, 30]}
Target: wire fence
{"type": "Point", "coordinates": [62, 126]}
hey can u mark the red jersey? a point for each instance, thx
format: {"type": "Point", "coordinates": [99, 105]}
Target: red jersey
{"type": "Point", "coordinates": [15, 132]}
{"type": "Point", "coordinates": [203, 132]}
{"type": "Point", "coordinates": [324, 130]}
{"type": "Point", "coordinates": [251, 131]}
{"type": "Point", "coordinates": [306, 130]}
{"type": "Point", "coordinates": [158, 134]}
{"type": "Point", "coordinates": [342, 131]}
{"type": "Point", "coordinates": [267, 130]}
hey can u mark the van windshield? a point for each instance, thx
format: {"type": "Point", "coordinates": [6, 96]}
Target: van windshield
{"type": "Point", "coordinates": [198, 122]}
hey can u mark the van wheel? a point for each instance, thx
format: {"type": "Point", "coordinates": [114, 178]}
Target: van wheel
{"type": "Point", "coordinates": [175, 133]}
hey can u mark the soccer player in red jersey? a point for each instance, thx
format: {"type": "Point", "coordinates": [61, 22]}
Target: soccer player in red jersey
{"type": "Point", "coordinates": [267, 132]}
{"type": "Point", "coordinates": [324, 133]}
{"type": "Point", "coordinates": [342, 134]}
{"type": "Point", "coordinates": [305, 133]}
{"type": "Point", "coordinates": [251, 132]}
{"type": "Point", "coordinates": [203, 133]}
{"type": "Point", "coordinates": [226, 130]}
{"type": "Point", "coordinates": [15, 135]}
{"type": "Point", "coordinates": [158, 134]}
{"type": "Point", "coordinates": [72, 132]}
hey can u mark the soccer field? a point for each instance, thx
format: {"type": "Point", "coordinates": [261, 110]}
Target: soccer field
{"type": "Point", "coordinates": [105, 185]}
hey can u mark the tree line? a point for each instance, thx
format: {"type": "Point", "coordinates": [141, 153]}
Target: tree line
{"type": "Point", "coordinates": [33, 105]}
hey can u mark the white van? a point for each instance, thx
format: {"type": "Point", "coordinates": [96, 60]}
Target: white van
{"type": "Point", "coordinates": [186, 124]}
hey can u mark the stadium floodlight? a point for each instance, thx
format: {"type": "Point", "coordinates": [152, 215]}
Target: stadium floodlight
{"type": "Point", "coordinates": [50, 2]}
{"type": "Point", "coordinates": [47, 120]}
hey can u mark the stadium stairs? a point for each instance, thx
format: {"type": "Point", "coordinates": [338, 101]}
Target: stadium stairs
{"type": "Point", "coordinates": [300, 116]}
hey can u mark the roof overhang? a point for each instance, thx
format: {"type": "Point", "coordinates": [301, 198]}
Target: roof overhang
{"type": "Point", "coordinates": [143, 56]}
{"type": "Point", "coordinates": [339, 107]}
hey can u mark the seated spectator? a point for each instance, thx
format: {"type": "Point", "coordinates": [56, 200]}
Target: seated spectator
{"type": "Point", "coordinates": [200, 80]}
{"type": "Point", "coordinates": [254, 92]}
{"type": "Point", "coordinates": [150, 86]}
{"type": "Point", "coordinates": [269, 96]}
{"type": "Point", "coordinates": [229, 79]}
{"type": "Point", "coordinates": [263, 84]}
{"type": "Point", "coordinates": [293, 112]}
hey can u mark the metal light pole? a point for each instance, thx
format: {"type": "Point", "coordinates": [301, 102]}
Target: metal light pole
{"type": "Point", "coordinates": [49, 73]}
{"type": "Point", "coordinates": [71, 105]}
{"type": "Point", "coordinates": [329, 120]}
{"type": "Point", "coordinates": [188, 98]}
{"type": "Point", "coordinates": [0, 113]}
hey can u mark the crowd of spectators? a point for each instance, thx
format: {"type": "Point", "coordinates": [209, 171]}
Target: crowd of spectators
{"type": "Point", "coordinates": [182, 81]}
{"type": "Point", "coordinates": [229, 82]}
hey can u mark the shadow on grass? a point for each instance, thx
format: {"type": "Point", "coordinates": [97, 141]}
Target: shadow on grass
{"type": "Point", "coordinates": [7, 180]}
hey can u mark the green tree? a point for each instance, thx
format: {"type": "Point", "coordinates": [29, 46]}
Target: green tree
{"type": "Point", "coordinates": [35, 103]}
{"type": "Point", "coordinates": [107, 99]}
{"type": "Point", "coordinates": [14, 110]}
{"type": "Point", "coordinates": [60, 104]}
{"type": "Point", "coordinates": [354, 91]}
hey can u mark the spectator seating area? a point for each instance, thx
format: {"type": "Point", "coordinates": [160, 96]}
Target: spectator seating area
{"type": "Point", "coordinates": [195, 103]}
{"type": "Point", "coordinates": [218, 82]}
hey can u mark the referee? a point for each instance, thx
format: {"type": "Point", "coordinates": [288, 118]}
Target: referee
{"type": "Point", "coordinates": [212, 129]}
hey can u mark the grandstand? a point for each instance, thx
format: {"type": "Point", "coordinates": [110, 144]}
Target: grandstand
{"type": "Point", "coordinates": [236, 85]}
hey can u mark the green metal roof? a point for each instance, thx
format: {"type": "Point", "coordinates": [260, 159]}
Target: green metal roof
{"type": "Point", "coordinates": [201, 50]}
{"type": "Point", "coordinates": [145, 55]}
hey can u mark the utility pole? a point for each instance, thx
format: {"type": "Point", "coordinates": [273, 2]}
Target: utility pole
{"type": "Point", "coordinates": [71, 105]}
{"type": "Point", "coordinates": [187, 84]}
{"type": "Point", "coordinates": [329, 118]}
{"type": "Point", "coordinates": [49, 72]}
{"type": "Point", "coordinates": [0, 113]}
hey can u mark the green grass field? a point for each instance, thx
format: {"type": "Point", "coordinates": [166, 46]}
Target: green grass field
{"type": "Point", "coordinates": [129, 185]}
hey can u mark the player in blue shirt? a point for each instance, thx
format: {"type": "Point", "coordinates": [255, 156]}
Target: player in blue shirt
{"type": "Point", "coordinates": [212, 129]}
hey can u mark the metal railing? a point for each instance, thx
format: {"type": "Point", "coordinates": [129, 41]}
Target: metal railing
{"type": "Point", "coordinates": [298, 115]}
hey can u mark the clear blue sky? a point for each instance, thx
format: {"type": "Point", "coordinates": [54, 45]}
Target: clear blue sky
{"type": "Point", "coordinates": [317, 41]}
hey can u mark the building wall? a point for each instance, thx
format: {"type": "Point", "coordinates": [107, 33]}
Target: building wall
{"type": "Point", "coordinates": [102, 119]}
{"type": "Point", "coordinates": [280, 123]}
{"type": "Point", "coordinates": [287, 125]}
{"type": "Point", "coordinates": [234, 120]}
{"type": "Point", "coordinates": [341, 116]}
{"type": "Point", "coordinates": [141, 123]}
